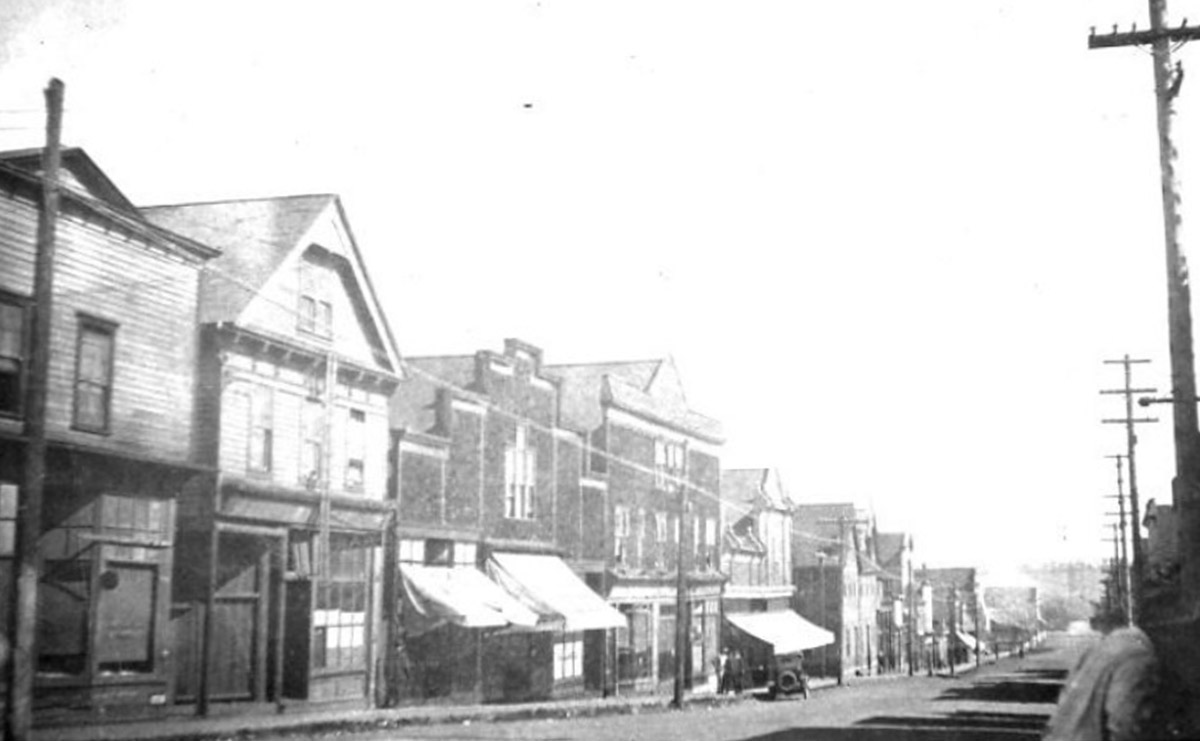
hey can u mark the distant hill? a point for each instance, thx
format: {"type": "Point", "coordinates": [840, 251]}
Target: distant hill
{"type": "Point", "coordinates": [1066, 591]}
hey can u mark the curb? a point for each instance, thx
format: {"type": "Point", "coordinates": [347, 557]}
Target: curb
{"type": "Point", "coordinates": [252, 727]}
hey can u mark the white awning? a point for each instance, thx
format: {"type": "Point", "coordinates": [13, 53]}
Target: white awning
{"type": "Point", "coordinates": [547, 586]}
{"type": "Point", "coordinates": [461, 595]}
{"type": "Point", "coordinates": [967, 639]}
{"type": "Point", "coordinates": [785, 630]}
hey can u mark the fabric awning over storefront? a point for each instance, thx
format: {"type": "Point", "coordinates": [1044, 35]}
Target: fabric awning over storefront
{"type": "Point", "coordinates": [461, 595]}
{"type": "Point", "coordinates": [967, 639]}
{"type": "Point", "coordinates": [785, 630]}
{"type": "Point", "coordinates": [548, 586]}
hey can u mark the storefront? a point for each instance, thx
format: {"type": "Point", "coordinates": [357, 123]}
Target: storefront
{"type": "Point", "coordinates": [645, 645]}
{"type": "Point", "coordinates": [763, 637]}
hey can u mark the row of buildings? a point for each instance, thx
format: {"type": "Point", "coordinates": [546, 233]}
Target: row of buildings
{"type": "Point", "coordinates": [252, 498]}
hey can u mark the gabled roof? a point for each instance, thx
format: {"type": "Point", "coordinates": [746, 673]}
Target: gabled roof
{"type": "Point", "coordinates": [581, 385]}
{"type": "Point", "coordinates": [743, 486]}
{"type": "Point", "coordinates": [412, 406]}
{"type": "Point", "coordinates": [254, 236]}
{"type": "Point", "coordinates": [647, 388]}
{"type": "Point", "coordinates": [83, 185]}
{"type": "Point", "coordinates": [817, 527]}
{"type": "Point", "coordinates": [79, 165]}
{"type": "Point", "coordinates": [742, 536]}
{"type": "Point", "coordinates": [888, 547]}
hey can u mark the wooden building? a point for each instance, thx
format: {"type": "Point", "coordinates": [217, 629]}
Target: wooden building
{"type": "Point", "coordinates": [121, 449]}
{"type": "Point", "coordinates": [655, 466]}
{"type": "Point", "coordinates": [894, 553]}
{"type": "Point", "coordinates": [759, 621]}
{"type": "Point", "coordinates": [490, 501]}
{"type": "Point", "coordinates": [277, 573]}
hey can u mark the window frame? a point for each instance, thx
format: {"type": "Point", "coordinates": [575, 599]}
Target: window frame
{"type": "Point", "coordinates": [314, 306]}
{"type": "Point", "coordinates": [85, 324]}
{"type": "Point", "coordinates": [22, 305]}
{"type": "Point", "coordinates": [520, 477]}
{"type": "Point", "coordinates": [356, 442]}
{"type": "Point", "coordinates": [260, 397]}
{"type": "Point", "coordinates": [8, 518]}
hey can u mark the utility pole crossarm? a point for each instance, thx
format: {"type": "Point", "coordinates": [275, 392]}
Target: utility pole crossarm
{"type": "Point", "coordinates": [1134, 37]}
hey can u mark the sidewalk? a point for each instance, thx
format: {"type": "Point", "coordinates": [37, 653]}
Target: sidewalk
{"type": "Point", "coordinates": [245, 722]}
{"type": "Point", "coordinates": [302, 719]}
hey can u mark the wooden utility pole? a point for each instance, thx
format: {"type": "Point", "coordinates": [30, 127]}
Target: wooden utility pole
{"type": "Point", "coordinates": [912, 621]}
{"type": "Point", "coordinates": [1186, 485]}
{"type": "Point", "coordinates": [841, 677]}
{"type": "Point", "coordinates": [1123, 551]}
{"type": "Point", "coordinates": [681, 611]}
{"type": "Point", "coordinates": [952, 638]}
{"type": "Point", "coordinates": [26, 566]}
{"type": "Point", "coordinates": [1137, 572]}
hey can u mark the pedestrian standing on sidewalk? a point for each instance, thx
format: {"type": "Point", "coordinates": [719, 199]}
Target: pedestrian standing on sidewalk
{"type": "Point", "coordinates": [725, 672]}
{"type": "Point", "coordinates": [1111, 693]}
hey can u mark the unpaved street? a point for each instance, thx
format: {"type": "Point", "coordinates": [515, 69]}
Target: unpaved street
{"type": "Point", "coordinates": [1010, 700]}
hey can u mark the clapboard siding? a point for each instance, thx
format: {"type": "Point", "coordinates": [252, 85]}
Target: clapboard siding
{"type": "Point", "coordinates": [289, 400]}
{"type": "Point", "coordinates": [148, 293]}
{"type": "Point", "coordinates": [276, 310]}
{"type": "Point", "coordinates": [18, 232]}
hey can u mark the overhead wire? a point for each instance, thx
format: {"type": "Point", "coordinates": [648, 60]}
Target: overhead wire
{"type": "Point", "coordinates": [574, 437]}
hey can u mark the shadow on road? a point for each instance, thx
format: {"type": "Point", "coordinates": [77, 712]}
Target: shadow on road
{"type": "Point", "coordinates": [1030, 685]}
{"type": "Point", "coordinates": [964, 726]}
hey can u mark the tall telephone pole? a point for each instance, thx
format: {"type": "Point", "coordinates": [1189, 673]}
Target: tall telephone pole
{"type": "Point", "coordinates": [1186, 485]}
{"type": "Point", "coordinates": [22, 664]}
{"type": "Point", "coordinates": [1122, 553]}
{"type": "Point", "coordinates": [1138, 570]}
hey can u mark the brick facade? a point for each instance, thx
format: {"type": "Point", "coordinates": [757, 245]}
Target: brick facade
{"type": "Point", "coordinates": [482, 463]}
{"type": "Point", "coordinates": [656, 467]}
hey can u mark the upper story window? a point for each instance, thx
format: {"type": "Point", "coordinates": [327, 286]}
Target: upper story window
{"type": "Point", "coordinates": [316, 299]}
{"type": "Point", "coordinates": [620, 521]}
{"type": "Point", "coordinates": [356, 449]}
{"type": "Point", "coordinates": [262, 429]}
{"type": "Point", "coordinates": [8, 519]}
{"type": "Point", "coordinates": [12, 356]}
{"type": "Point", "coordinates": [437, 552]}
{"type": "Point", "coordinates": [520, 468]}
{"type": "Point", "coordinates": [312, 443]}
{"type": "Point", "coordinates": [668, 465]}
{"type": "Point", "coordinates": [660, 525]}
{"type": "Point", "coordinates": [94, 375]}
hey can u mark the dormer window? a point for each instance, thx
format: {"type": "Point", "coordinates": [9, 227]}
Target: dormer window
{"type": "Point", "coordinates": [316, 299]}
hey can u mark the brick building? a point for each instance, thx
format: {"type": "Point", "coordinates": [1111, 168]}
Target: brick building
{"type": "Point", "coordinates": [837, 584]}
{"type": "Point", "coordinates": [122, 360]}
{"type": "Point", "coordinates": [487, 481]}
{"type": "Point", "coordinates": [649, 453]}
{"type": "Point", "coordinates": [277, 574]}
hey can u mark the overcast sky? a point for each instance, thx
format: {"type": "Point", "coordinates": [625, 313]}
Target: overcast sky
{"type": "Point", "coordinates": [888, 244]}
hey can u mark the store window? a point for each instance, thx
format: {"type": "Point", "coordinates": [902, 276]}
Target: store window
{"type": "Point", "coordinates": [340, 618]}
{"type": "Point", "coordinates": [568, 656]}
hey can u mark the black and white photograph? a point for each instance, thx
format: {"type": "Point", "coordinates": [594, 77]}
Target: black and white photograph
{"type": "Point", "coordinates": [744, 370]}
